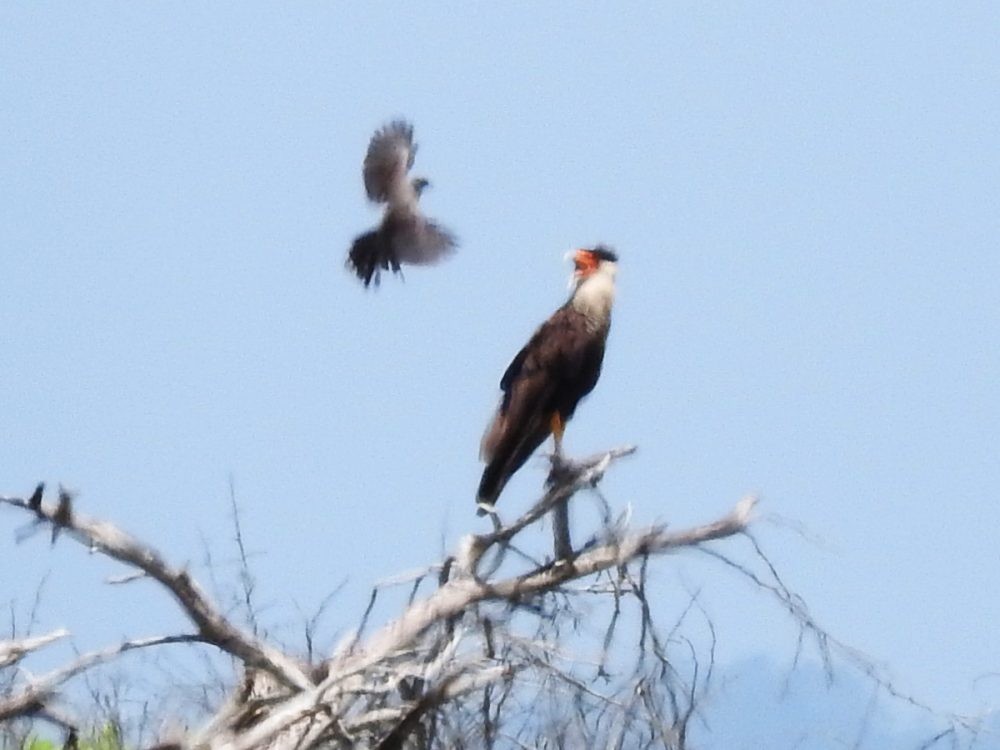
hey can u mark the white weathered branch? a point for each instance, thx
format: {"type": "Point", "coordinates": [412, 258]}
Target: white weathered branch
{"type": "Point", "coordinates": [566, 479]}
{"type": "Point", "coordinates": [377, 690]}
{"type": "Point", "coordinates": [32, 697]}
{"type": "Point", "coordinates": [457, 596]}
{"type": "Point", "coordinates": [14, 650]}
{"type": "Point", "coordinates": [213, 626]}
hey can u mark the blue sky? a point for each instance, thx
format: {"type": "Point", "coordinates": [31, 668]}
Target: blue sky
{"type": "Point", "coordinates": [804, 198]}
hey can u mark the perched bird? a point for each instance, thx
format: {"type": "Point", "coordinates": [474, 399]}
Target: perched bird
{"type": "Point", "coordinates": [64, 512]}
{"type": "Point", "coordinates": [405, 234]}
{"type": "Point", "coordinates": [548, 377]}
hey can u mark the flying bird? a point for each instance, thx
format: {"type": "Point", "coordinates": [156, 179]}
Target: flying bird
{"type": "Point", "coordinates": [405, 235]}
{"type": "Point", "coordinates": [548, 377]}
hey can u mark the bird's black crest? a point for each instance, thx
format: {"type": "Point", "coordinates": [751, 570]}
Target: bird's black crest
{"type": "Point", "coordinates": [603, 252]}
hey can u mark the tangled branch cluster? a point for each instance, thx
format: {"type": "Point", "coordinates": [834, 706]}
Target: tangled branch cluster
{"type": "Point", "coordinates": [481, 661]}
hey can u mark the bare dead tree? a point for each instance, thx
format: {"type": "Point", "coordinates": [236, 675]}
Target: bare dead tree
{"type": "Point", "coordinates": [494, 656]}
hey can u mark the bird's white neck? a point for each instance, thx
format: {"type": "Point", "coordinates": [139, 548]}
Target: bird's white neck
{"type": "Point", "coordinates": [595, 295]}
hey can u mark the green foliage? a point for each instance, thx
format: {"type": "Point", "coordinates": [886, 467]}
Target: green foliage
{"type": "Point", "coordinates": [106, 738]}
{"type": "Point", "coordinates": [37, 743]}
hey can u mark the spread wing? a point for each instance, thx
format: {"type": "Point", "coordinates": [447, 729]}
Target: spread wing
{"type": "Point", "coordinates": [421, 242]}
{"type": "Point", "coordinates": [389, 158]}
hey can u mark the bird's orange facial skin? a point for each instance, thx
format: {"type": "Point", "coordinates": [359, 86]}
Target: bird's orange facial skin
{"type": "Point", "coordinates": [585, 262]}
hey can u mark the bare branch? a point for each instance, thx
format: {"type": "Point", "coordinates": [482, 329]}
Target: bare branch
{"type": "Point", "coordinates": [247, 581]}
{"type": "Point", "coordinates": [14, 650]}
{"type": "Point", "coordinates": [458, 596]}
{"type": "Point", "coordinates": [31, 699]}
{"type": "Point", "coordinates": [213, 626]}
{"type": "Point", "coordinates": [486, 658]}
{"type": "Point", "coordinates": [566, 479]}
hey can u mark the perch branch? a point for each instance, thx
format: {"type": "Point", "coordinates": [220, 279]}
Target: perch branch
{"type": "Point", "coordinates": [566, 479]}
{"type": "Point", "coordinates": [459, 595]}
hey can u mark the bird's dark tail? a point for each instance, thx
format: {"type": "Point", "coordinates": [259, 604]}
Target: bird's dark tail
{"type": "Point", "coordinates": [491, 485]}
{"type": "Point", "coordinates": [368, 254]}
{"type": "Point", "coordinates": [509, 456]}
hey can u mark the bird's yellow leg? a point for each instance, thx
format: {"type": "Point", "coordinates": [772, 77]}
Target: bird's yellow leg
{"type": "Point", "coordinates": [558, 428]}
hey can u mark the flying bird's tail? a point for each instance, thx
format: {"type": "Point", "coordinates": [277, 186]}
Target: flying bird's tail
{"type": "Point", "coordinates": [368, 254]}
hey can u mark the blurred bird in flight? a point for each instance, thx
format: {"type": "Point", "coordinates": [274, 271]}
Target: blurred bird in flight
{"type": "Point", "coordinates": [405, 235]}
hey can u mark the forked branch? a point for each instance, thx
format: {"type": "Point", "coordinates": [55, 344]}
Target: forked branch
{"type": "Point", "coordinates": [458, 648]}
{"type": "Point", "coordinates": [213, 627]}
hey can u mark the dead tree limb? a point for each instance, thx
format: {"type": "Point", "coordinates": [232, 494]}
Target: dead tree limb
{"type": "Point", "coordinates": [13, 651]}
{"type": "Point", "coordinates": [349, 672]}
{"type": "Point", "coordinates": [32, 697]}
{"type": "Point", "coordinates": [460, 640]}
{"type": "Point", "coordinates": [213, 627]}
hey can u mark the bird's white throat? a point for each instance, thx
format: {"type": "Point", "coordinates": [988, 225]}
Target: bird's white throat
{"type": "Point", "coordinates": [595, 295]}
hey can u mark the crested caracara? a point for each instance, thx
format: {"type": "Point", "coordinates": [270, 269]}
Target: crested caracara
{"type": "Point", "coordinates": [548, 377]}
{"type": "Point", "coordinates": [405, 235]}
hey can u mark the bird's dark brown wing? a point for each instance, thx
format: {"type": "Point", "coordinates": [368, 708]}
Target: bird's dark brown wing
{"type": "Point", "coordinates": [561, 348]}
{"type": "Point", "coordinates": [557, 367]}
{"type": "Point", "coordinates": [530, 360]}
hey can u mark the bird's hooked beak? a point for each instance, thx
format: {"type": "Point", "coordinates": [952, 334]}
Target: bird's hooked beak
{"type": "Point", "coordinates": [584, 262]}
{"type": "Point", "coordinates": [420, 184]}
